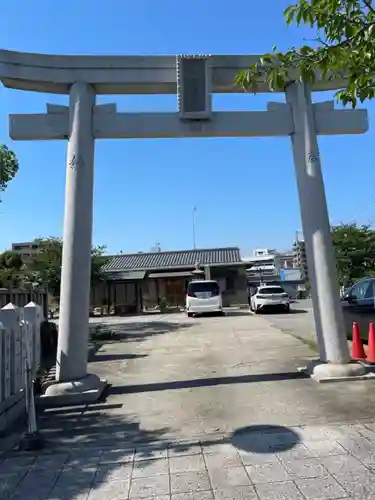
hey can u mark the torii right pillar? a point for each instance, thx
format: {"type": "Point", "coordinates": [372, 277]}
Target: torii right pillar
{"type": "Point", "coordinates": [334, 360]}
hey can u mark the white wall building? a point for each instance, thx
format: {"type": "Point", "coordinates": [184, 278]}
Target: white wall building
{"type": "Point", "coordinates": [263, 264]}
{"type": "Point", "coordinates": [267, 266]}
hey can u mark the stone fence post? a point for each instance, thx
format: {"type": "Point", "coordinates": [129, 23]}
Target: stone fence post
{"type": "Point", "coordinates": [33, 316]}
{"type": "Point", "coordinates": [4, 363]}
{"type": "Point", "coordinates": [13, 348]}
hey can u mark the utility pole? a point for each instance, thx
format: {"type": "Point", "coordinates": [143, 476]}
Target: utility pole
{"type": "Point", "coordinates": [193, 220]}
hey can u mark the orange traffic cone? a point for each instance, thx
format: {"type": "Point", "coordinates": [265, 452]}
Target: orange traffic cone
{"type": "Point", "coordinates": [358, 351]}
{"type": "Point", "coordinates": [371, 344]}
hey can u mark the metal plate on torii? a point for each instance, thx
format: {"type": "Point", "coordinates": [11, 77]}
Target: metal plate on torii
{"type": "Point", "coordinates": [193, 75]}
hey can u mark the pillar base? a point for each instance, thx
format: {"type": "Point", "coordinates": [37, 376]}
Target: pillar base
{"type": "Point", "coordinates": [332, 372]}
{"type": "Point", "coordinates": [31, 442]}
{"type": "Point", "coordinates": [83, 391]}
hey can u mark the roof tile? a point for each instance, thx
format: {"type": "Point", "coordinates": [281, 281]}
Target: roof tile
{"type": "Point", "coordinates": [168, 260]}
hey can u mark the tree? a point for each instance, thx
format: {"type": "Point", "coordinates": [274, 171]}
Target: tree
{"type": "Point", "coordinates": [11, 269]}
{"type": "Point", "coordinates": [8, 166]}
{"type": "Point", "coordinates": [45, 264]}
{"type": "Point", "coordinates": [344, 46]}
{"type": "Point", "coordinates": [98, 259]}
{"type": "Point", "coordinates": [355, 252]}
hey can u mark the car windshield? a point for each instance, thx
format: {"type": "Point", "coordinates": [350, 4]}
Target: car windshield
{"type": "Point", "coordinates": [203, 286]}
{"type": "Point", "coordinates": [271, 290]}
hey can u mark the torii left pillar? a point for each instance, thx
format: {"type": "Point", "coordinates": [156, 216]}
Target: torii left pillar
{"type": "Point", "coordinates": [73, 381]}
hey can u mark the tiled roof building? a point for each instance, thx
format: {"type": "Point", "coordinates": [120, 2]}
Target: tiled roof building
{"type": "Point", "coordinates": [176, 259]}
{"type": "Point", "coordinates": [137, 282]}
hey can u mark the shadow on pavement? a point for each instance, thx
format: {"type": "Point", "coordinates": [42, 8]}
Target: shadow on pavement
{"type": "Point", "coordinates": [264, 438]}
{"type": "Point", "coordinates": [239, 312]}
{"type": "Point", "coordinates": [98, 357]}
{"type": "Point", "coordinates": [96, 448]}
{"type": "Point", "coordinates": [298, 311]}
{"type": "Point", "coordinates": [68, 411]}
{"type": "Point", "coordinates": [204, 382]}
{"type": "Point", "coordinates": [132, 331]}
{"type": "Point", "coordinates": [86, 449]}
{"type": "Point", "coordinates": [292, 311]}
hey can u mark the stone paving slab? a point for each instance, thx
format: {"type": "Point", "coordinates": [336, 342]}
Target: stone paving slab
{"type": "Point", "coordinates": [332, 464]}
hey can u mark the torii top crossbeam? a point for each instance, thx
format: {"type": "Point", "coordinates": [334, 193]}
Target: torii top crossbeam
{"type": "Point", "coordinates": [120, 74]}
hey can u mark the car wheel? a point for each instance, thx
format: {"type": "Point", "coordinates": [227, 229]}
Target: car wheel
{"type": "Point", "coordinates": [190, 315]}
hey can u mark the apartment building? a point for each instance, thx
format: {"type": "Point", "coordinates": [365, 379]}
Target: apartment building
{"type": "Point", "coordinates": [263, 265]}
{"type": "Point", "coordinates": [269, 266]}
{"type": "Point", "coordinates": [287, 260]}
{"type": "Point", "coordinates": [25, 249]}
{"type": "Point", "coordinates": [300, 260]}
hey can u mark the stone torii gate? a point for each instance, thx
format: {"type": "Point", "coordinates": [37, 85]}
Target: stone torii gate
{"type": "Point", "coordinates": [193, 79]}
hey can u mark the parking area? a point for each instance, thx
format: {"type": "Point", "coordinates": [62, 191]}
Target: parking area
{"type": "Point", "coordinates": [193, 376]}
{"type": "Point", "coordinates": [205, 409]}
{"type": "Point", "coordinates": [300, 321]}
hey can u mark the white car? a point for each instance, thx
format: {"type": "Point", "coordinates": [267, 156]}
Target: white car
{"type": "Point", "coordinates": [269, 297]}
{"type": "Point", "coordinates": [203, 296]}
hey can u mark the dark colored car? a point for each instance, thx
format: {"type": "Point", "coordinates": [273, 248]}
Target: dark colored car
{"type": "Point", "coordinates": [358, 304]}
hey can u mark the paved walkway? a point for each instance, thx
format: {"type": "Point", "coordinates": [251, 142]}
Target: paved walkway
{"type": "Point", "coordinates": [203, 409]}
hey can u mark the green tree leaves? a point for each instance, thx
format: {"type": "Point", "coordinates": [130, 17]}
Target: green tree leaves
{"type": "Point", "coordinates": [11, 269]}
{"type": "Point", "coordinates": [355, 252]}
{"type": "Point", "coordinates": [8, 166]}
{"type": "Point", "coordinates": [44, 266]}
{"type": "Point", "coordinates": [344, 50]}
{"type": "Point", "coordinates": [46, 262]}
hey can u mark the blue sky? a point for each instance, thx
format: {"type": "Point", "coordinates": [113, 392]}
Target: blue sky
{"type": "Point", "coordinates": [244, 189]}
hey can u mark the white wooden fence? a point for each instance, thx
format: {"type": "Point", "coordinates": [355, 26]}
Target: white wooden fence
{"type": "Point", "coordinates": [19, 337]}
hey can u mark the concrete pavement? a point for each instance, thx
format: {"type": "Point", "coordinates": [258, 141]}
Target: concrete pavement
{"type": "Point", "coordinates": [217, 374]}
{"type": "Point", "coordinates": [300, 321]}
{"type": "Point", "coordinates": [202, 409]}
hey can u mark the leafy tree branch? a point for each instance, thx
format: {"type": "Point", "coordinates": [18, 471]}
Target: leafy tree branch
{"type": "Point", "coordinates": [343, 50]}
{"type": "Point", "coordinates": [8, 166]}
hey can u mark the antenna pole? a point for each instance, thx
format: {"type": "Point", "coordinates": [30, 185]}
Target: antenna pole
{"type": "Point", "coordinates": [193, 217]}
